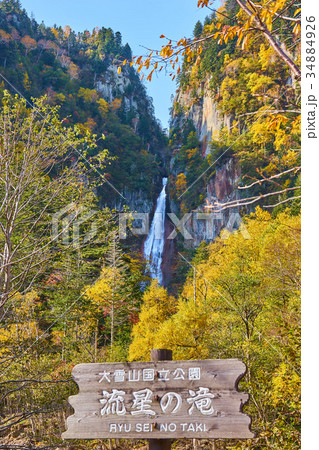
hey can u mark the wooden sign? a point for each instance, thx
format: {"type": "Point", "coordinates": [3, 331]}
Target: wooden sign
{"type": "Point", "coordinates": [159, 400]}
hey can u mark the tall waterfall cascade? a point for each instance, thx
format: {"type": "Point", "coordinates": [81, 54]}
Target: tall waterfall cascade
{"type": "Point", "coordinates": [154, 243]}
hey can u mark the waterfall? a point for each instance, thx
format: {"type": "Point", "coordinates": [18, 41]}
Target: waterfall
{"type": "Point", "coordinates": [154, 243]}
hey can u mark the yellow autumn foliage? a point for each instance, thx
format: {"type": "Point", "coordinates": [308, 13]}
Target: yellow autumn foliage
{"type": "Point", "coordinates": [17, 334]}
{"type": "Point", "coordinates": [234, 300]}
{"type": "Point", "coordinates": [157, 307]}
{"type": "Point", "coordinates": [101, 292]}
{"type": "Point", "coordinates": [116, 104]}
{"type": "Point", "coordinates": [181, 183]}
{"type": "Point", "coordinates": [88, 95]}
{"type": "Point", "coordinates": [104, 107]}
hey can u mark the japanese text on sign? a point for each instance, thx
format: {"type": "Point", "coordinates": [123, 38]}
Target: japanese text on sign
{"type": "Point", "coordinates": [171, 402]}
{"type": "Point", "coordinates": [159, 400]}
{"type": "Point", "coordinates": [148, 374]}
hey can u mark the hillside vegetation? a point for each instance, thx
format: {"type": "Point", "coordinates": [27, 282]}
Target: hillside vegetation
{"type": "Point", "coordinates": [78, 73]}
{"type": "Point", "coordinates": [77, 129]}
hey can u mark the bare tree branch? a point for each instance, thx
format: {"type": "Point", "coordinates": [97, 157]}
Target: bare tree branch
{"type": "Point", "coordinates": [283, 201]}
{"type": "Point", "coordinates": [218, 207]}
{"type": "Point", "coordinates": [268, 35]}
{"type": "Point", "coordinates": [278, 175]}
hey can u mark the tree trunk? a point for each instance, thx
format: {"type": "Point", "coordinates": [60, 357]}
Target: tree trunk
{"type": "Point", "coordinates": [160, 355]}
{"type": "Point", "coordinates": [272, 41]}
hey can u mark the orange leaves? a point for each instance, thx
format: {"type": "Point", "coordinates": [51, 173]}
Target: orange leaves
{"type": "Point", "coordinates": [197, 61]}
{"type": "Point", "coordinates": [218, 33]}
{"type": "Point", "coordinates": [279, 4]}
{"type": "Point", "coordinates": [5, 37]}
{"type": "Point", "coordinates": [181, 183]}
{"type": "Point", "coordinates": [147, 62]}
{"type": "Point", "coordinates": [67, 31]}
{"type": "Point", "coordinates": [267, 17]}
{"type": "Point", "coordinates": [139, 60]}
{"type": "Point", "coordinates": [168, 56]}
{"type": "Point", "coordinates": [167, 51]}
{"type": "Point", "coordinates": [244, 44]}
{"type": "Point", "coordinates": [274, 123]}
{"type": "Point", "coordinates": [29, 42]}
{"type": "Point", "coordinates": [297, 28]}
{"type": "Point", "coordinates": [116, 104]}
{"type": "Point", "coordinates": [230, 32]}
{"type": "Point", "coordinates": [182, 42]}
{"type": "Point", "coordinates": [149, 76]}
{"type": "Point", "coordinates": [203, 3]}
{"type": "Point", "coordinates": [251, 18]}
{"type": "Point", "coordinates": [296, 125]}
{"type": "Point", "coordinates": [55, 32]}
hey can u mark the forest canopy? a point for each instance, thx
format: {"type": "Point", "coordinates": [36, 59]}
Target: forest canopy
{"type": "Point", "coordinates": [80, 144]}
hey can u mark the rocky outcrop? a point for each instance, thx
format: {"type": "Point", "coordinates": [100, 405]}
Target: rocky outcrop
{"type": "Point", "coordinates": [203, 111]}
{"type": "Point", "coordinates": [208, 121]}
{"type": "Point", "coordinates": [113, 84]}
{"type": "Point", "coordinates": [127, 87]}
{"type": "Point", "coordinates": [204, 225]}
{"type": "Point", "coordinates": [136, 201]}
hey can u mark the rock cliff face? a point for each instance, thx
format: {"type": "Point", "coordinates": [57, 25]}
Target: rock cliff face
{"type": "Point", "coordinates": [136, 201]}
{"type": "Point", "coordinates": [202, 224]}
{"type": "Point", "coordinates": [113, 84]}
{"type": "Point", "coordinates": [207, 120]}
{"type": "Point", "coordinates": [126, 86]}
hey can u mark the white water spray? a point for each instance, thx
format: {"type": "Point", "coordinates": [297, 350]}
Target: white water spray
{"type": "Point", "coordinates": [154, 244]}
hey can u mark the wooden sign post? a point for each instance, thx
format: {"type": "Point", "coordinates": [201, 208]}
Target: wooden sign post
{"type": "Point", "coordinates": [160, 355]}
{"type": "Point", "coordinates": [159, 401]}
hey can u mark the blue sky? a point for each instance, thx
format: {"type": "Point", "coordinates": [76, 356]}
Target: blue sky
{"type": "Point", "coordinates": [140, 22]}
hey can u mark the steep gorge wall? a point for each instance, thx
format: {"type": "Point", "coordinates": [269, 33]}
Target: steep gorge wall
{"type": "Point", "coordinates": [112, 85]}
{"type": "Point", "coordinates": [204, 113]}
{"type": "Point", "coordinates": [205, 225]}
{"type": "Point", "coordinates": [221, 188]}
{"type": "Point", "coordinates": [135, 200]}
